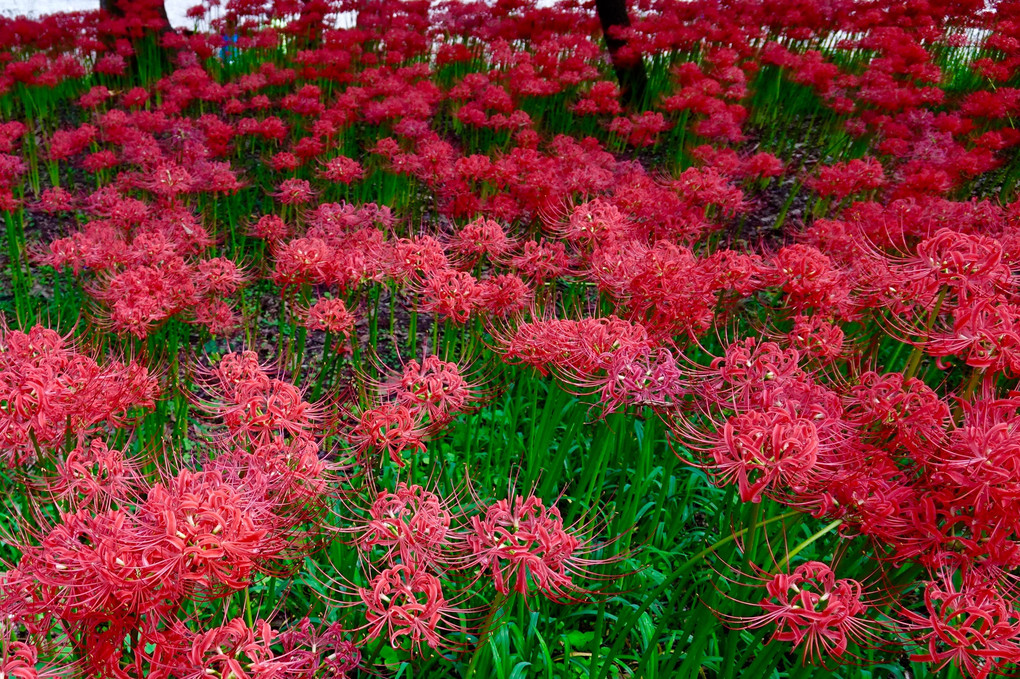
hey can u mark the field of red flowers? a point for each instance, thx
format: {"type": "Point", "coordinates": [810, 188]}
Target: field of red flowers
{"type": "Point", "coordinates": [364, 338]}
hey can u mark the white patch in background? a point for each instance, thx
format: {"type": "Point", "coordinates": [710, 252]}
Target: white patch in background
{"type": "Point", "coordinates": [175, 9]}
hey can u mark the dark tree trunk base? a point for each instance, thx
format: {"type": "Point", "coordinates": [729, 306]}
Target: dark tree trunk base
{"type": "Point", "coordinates": [630, 73]}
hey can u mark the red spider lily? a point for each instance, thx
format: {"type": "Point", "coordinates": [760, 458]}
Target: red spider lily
{"type": "Point", "coordinates": [202, 532]}
{"type": "Point", "coordinates": [100, 160]}
{"type": "Point", "coordinates": [808, 279]}
{"type": "Point", "coordinates": [971, 624]}
{"type": "Point", "coordinates": [218, 317]}
{"type": "Point", "coordinates": [524, 546]}
{"type": "Point", "coordinates": [434, 391]}
{"type": "Point", "coordinates": [582, 347]}
{"type": "Point", "coordinates": [654, 379]}
{"type": "Point", "coordinates": [817, 338]}
{"type": "Point", "coordinates": [665, 287]}
{"type": "Point", "coordinates": [92, 564]}
{"type": "Point", "coordinates": [871, 498]}
{"type": "Point", "coordinates": [887, 405]}
{"type": "Point", "coordinates": [748, 373]}
{"type": "Point", "coordinates": [390, 428]}
{"type": "Point", "coordinates": [236, 368]}
{"type": "Point", "coordinates": [802, 416]}
{"type": "Point", "coordinates": [294, 192]}
{"type": "Point", "coordinates": [406, 602]}
{"type": "Point", "coordinates": [142, 298]}
{"type": "Point", "coordinates": [261, 411]}
{"type": "Point", "coordinates": [412, 525]}
{"type": "Point", "coordinates": [331, 315]}
{"type": "Point", "coordinates": [317, 650]}
{"type": "Point", "coordinates": [167, 181]}
{"type": "Point", "coordinates": [814, 611]}
{"type": "Point", "coordinates": [342, 170]}
{"type": "Point", "coordinates": [284, 162]}
{"type": "Point", "coordinates": [765, 452]}
{"type": "Point", "coordinates": [503, 295]}
{"type": "Point", "coordinates": [596, 221]}
{"type": "Point", "coordinates": [20, 660]}
{"type": "Point", "coordinates": [218, 276]}
{"type": "Point", "coordinates": [640, 129]}
{"type": "Point", "coordinates": [970, 264]}
{"type": "Point", "coordinates": [629, 377]}
{"type": "Point", "coordinates": [303, 260]}
{"type": "Point", "coordinates": [49, 391]}
{"type": "Point", "coordinates": [978, 459]}
{"type": "Point", "coordinates": [334, 221]}
{"type": "Point", "coordinates": [237, 650]}
{"type": "Point", "coordinates": [11, 133]}
{"type": "Point", "coordinates": [255, 407]}
{"type": "Point", "coordinates": [845, 179]}
{"type": "Point", "coordinates": [271, 228]}
{"type": "Point", "coordinates": [417, 259]}
{"type": "Point", "coordinates": [56, 199]}
{"type": "Point", "coordinates": [541, 261]}
{"type": "Point", "coordinates": [603, 98]}
{"type": "Point", "coordinates": [94, 476]}
{"type": "Point", "coordinates": [481, 237]}
{"type": "Point", "coordinates": [288, 474]}
{"type": "Point", "coordinates": [67, 143]}
{"type": "Point", "coordinates": [984, 334]}
{"type": "Point", "coordinates": [450, 294]}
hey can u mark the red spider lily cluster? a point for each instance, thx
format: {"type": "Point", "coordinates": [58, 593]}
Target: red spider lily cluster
{"type": "Point", "coordinates": [426, 555]}
{"type": "Point", "coordinates": [477, 168]}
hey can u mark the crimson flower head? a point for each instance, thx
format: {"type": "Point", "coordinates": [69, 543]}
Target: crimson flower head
{"type": "Point", "coordinates": [969, 264]}
{"type": "Point", "coordinates": [480, 237]}
{"type": "Point", "coordinates": [271, 228]}
{"type": "Point", "coordinates": [262, 411]}
{"type": "Point", "coordinates": [342, 170]}
{"type": "Point", "coordinates": [650, 378]}
{"type": "Point", "coordinates": [168, 180]}
{"type": "Point", "coordinates": [816, 337]}
{"type": "Point", "coordinates": [56, 199]}
{"type": "Point", "coordinates": [522, 544]}
{"type": "Point", "coordinates": [418, 258]}
{"type": "Point", "coordinates": [766, 451]}
{"type": "Point", "coordinates": [325, 649]}
{"type": "Point", "coordinates": [389, 427]}
{"type": "Point", "coordinates": [405, 602]}
{"type": "Point", "coordinates": [294, 192]}
{"type": "Point", "coordinates": [433, 390]}
{"type": "Point", "coordinates": [814, 610]}
{"type": "Point", "coordinates": [303, 260]}
{"type": "Point", "coordinates": [218, 276]}
{"type": "Point", "coordinates": [503, 295]}
{"type": "Point", "coordinates": [451, 294]}
{"type": "Point", "coordinates": [596, 221]}
{"type": "Point", "coordinates": [409, 523]}
{"type": "Point", "coordinates": [969, 621]}
{"type": "Point", "coordinates": [331, 315]}
{"type": "Point", "coordinates": [237, 650]}
{"type": "Point", "coordinates": [845, 179]}
{"type": "Point", "coordinates": [19, 661]}
{"type": "Point", "coordinates": [94, 475]}
{"type": "Point", "coordinates": [206, 532]}
{"type": "Point", "coordinates": [542, 261]}
{"type": "Point", "coordinates": [49, 391]}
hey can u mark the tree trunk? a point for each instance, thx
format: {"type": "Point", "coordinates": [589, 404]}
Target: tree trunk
{"type": "Point", "coordinates": [146, 9]}
{"type": "Point", "coordinates": [630, 71]}
{"type": "Point", "coordinates": [311, 22]}
{"type": "Point", "coordinates": [121, 8]}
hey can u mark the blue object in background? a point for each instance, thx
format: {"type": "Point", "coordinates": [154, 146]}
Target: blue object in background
{"type": "Point", "coordinates": [228, 49]}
